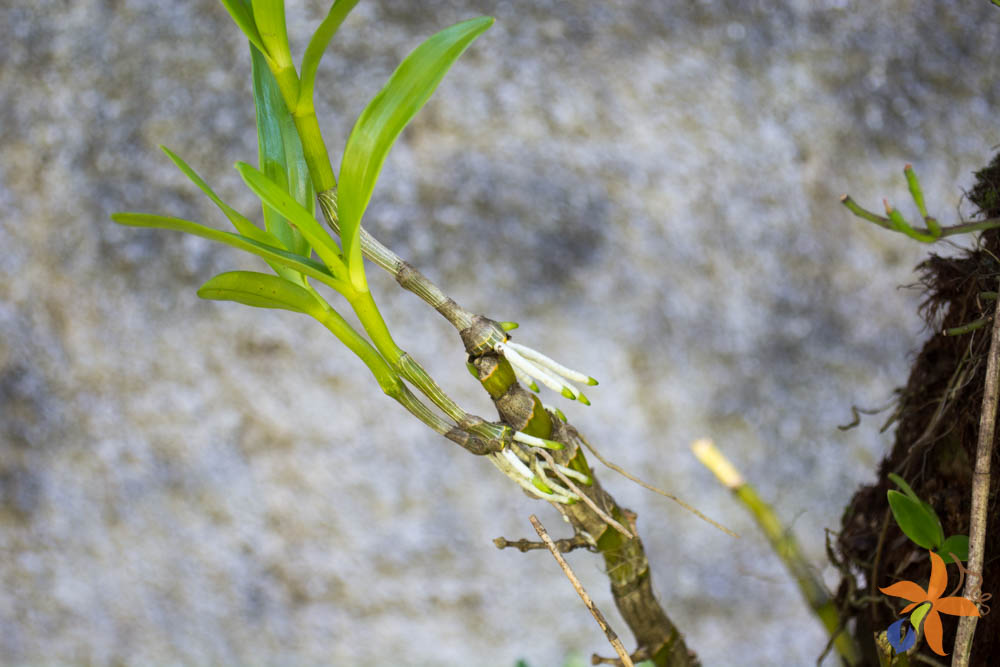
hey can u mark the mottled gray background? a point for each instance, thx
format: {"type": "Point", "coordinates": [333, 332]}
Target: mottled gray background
{"type": "Point", "coordinates": [649, 188]}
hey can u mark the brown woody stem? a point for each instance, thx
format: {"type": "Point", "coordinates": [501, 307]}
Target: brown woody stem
{"type": "Point", "coordinates": [624, 557]}
{"type": "Point", "coordinates": [980, 496]}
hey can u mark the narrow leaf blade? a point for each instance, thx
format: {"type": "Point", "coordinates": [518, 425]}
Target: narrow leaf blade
{"type": "Point", "coordinates": [261, 290]}
{"type": "Point", "coordinates": [280, 152]}
{"type": "Point", "coordinates": [240, 222]}
{"type": "Point", "coordinates": [409, 87]}
{"type": "Point", "coordinates": [268, 252]}
{"type": "Point", "coordinates": [244, 20]}
{"type": "Point", "coordinates": [277, 198]}
{"type": "Point", "coordinates": [901, 483]}
{"type": "Point", "coordinates": [317, 46]}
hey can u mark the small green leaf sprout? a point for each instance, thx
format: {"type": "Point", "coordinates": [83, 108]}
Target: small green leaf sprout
{"type": "Point", "coordinates": [919, 522]}
{"type": "Point", "coordinates": [897, 223]}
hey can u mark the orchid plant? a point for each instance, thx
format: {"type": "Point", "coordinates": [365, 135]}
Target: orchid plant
{"type": "Point", "coordinates": [294, 169]}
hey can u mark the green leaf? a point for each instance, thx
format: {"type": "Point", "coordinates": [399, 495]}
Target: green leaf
{"type": "Point", "coordinates": [277, 198]}
{"type": "Point", "coordinates": [267, 291]}
{"type": "Point", "coordinates": [262, 290]}
{"type": "Point", "coordinates": [901, 483]}
{"type": "Point", "coordinates": [244, 20]}
{"type": "Point", "coordinates": [241, 223]}
{"type": "Point", "coordinates": [409, 87]}
{"type": "Point", "coordinates": [268, 252]}
{"type": "Point", "coordinates": [917, 521]}
{"type": "Point", "coordinates": [280, 153]}
{"type": "Point", "coordinates": [956, 544]}
{"type": "Point", "coordinates": [317, 46]}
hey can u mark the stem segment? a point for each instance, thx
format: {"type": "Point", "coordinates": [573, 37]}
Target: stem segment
{"type": "Point", "coordinates": [408, 277]}
{"type": "Point", "coordinates": [314, 150]}
{"type": "Point", "coordinates": [625, 558]}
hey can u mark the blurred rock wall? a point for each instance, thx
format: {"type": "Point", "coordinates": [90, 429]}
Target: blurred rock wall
{"type": "Point", "coordinates": [649, 188]}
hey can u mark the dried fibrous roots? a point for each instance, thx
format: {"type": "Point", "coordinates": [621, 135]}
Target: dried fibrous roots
{"type": "Point", "coordinates": [936, 435]}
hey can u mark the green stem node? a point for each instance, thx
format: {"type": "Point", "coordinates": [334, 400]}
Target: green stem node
{"type": "Point", "coordinates": [288, 83]}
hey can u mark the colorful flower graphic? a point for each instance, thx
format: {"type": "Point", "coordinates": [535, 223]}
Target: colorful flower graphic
{"type": "Point", "coordinates": [902, 635]}
{"type": "Point", "coordinates": [908, 590]}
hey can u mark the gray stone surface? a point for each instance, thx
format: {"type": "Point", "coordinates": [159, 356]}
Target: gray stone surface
{"type": "Point", "coordinates": [649, 188]}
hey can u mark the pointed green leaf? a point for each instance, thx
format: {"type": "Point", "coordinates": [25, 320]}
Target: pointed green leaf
{"type": "Point", "coordinates": [956, 544]}
{"type": "Point", "coordinates": [901, 483]}
{"type": "Point", "coordinates": [267, 291]}
{"type": "Point", "coordinates": [262, 290]}
{"type": "Point", "coordinates": [268, 252]}
{"type": "Point", "coordinates": [317, 46]}
{"type": "Point", "coordinates": [244, 20]}
{"type": "Point", "coordinates": [916, 522]}
{"type": "Point", "coordinates": [242, 224]}
{"type": "Point", "coordinates": [277, 198]}
{"type": "Point", "coordinates": [280, 153]}
{"type": "Point", "coordinates": [383, 119]}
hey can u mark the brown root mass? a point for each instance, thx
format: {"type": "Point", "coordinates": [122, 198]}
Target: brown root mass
{"type": "Point", "coordinates": [935, 447]}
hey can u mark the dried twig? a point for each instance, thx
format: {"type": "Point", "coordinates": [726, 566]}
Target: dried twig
{"type": "Point", "coordinates": [980, 497]}
{"type": "Point", "coordinates": [598, 616]}
{"type": "Point", "coordinates": [641, 655]}
{"type": "Point", "coordinates": [523, 545]}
